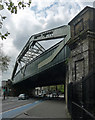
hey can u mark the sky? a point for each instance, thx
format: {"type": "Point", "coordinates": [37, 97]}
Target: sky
{"type": "Point", "coordinates": [41, 15]}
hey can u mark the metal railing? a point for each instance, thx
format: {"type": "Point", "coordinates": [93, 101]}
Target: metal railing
{"type": "Point", "coordinates": [81, 98]}
{"type": "Point", "coordinates": [79, 112]}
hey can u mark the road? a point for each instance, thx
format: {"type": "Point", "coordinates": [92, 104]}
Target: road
{"type": "Point", "coordinates": [34, 108]}
{"type": "Point", "coordinates": [12, 103]}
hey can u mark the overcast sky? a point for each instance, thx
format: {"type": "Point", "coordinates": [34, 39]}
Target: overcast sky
{"type": "Point", "coordinates": [42, 15]}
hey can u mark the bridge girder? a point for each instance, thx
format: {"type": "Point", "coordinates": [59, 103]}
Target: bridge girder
{"type": "Point", "coordinates": [33, 48]}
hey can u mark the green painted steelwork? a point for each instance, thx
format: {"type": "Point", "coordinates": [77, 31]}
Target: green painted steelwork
{"type": "Point", "coordinates": [32, 69]}
{"type": "Point", "coordinates": [50, 58]}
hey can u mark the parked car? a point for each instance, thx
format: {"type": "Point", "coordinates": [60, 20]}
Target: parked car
{"type": "Point", "coordinates": [23, 97]}
{"type": "Point", "coordinates": [54, 94]}
{"type": "Point", "coordinates": [40, 94]}
{"type": "Point", "coordinates": [49, 94]}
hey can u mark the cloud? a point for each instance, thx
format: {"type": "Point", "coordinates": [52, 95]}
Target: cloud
{"type": "Point", "coordinates": [42, 15]}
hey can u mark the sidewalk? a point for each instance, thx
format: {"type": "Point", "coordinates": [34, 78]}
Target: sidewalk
{"type": "Point", "coordinates": [47, 109]}
{"type": "Point", "coordinates": [8, 99]}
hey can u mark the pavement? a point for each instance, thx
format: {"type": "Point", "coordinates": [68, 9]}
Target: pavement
{"type": "Point", "coordinates": [7, 99]}
{"type": "Point", "coordinates": [48, 109]}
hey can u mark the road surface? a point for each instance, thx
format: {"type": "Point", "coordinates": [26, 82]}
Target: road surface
{"type": "Point", "coordinates": [34, 108]}
{"type": "Point", "coordinates": [12, 103]}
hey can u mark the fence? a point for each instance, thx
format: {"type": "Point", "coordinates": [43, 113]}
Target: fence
{"type": "Point", "coordinates": [81, 98]}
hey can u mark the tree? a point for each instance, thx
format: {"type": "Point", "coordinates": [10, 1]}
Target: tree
{"type": "Point", "coordinates": [12, 7]}
{"type": "Point", "coordinates": [60, 88]}
{"type": "Point", "coordinates": [4, 60]}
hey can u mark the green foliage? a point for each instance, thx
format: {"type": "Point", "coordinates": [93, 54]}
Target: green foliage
{"type": "Point", "coordinates": [4, 36]}
{"type": "Point", "coordinates": [5, 63]}
{"type": "Point", "coordinates": [4, 60]}
{"type": "Point", "coordinates": [60, 88]}
{"type": "Point", "coordinates": [13, 9]}
{"type": "Point", "coordinates": [1, 20]}
{"type": "Point", "coordinates": [1, 7]}
{"type": "Point", "coordinates": [52, 88]}
{"type": "Point", "coordinates": [4, 17]}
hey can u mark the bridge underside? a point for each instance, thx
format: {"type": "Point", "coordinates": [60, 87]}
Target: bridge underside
{"type": "Point", "coordinates": [52, 76]}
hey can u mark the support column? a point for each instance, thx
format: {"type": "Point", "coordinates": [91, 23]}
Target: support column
{"type": "Point", "coordinates": [82, 58]}
{"type": "Point", "coordinates": [82, 44]}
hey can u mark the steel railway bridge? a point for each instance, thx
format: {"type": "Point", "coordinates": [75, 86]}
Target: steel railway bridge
{"type": "Point", "coordinates": [36, 66]}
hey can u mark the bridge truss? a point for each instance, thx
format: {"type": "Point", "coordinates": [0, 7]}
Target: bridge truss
{"type": "Point", "coordinates": [32, 49]}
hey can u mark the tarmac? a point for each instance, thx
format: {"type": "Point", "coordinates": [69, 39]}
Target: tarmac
{"type": "Point", "coordinates": [49, 109]}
